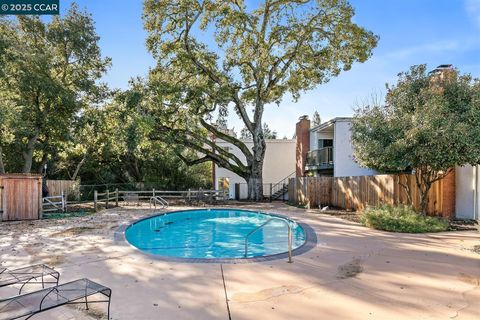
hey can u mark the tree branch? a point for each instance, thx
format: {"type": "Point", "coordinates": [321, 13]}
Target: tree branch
{"type": "Point", "coordinates": [211, 73]}
{"type": "Point", "coordinates": [209, 154]}
{"type": "Point", "coordinates": [193, 162]}
{"type": "Point", "coordinates": [216, 153]}
{"type": "Point", "coordinates": [236, 142]}
{"type": "Point", "coordinates": [240, 107]}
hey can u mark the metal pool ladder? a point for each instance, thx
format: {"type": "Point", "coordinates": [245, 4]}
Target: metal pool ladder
{"type": "Point", "coordinates": [159, 200]}
{"type": "Point", "coordinates": [263, 225]}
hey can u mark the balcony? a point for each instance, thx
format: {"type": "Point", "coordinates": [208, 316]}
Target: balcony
{"type": "Point", "coordinates": [320, 159]}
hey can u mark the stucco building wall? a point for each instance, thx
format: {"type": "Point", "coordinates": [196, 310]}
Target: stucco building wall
{"type": "Point", "coordinates": [279, 163]}
{"type": "Point", "coordinates": [344, 162]}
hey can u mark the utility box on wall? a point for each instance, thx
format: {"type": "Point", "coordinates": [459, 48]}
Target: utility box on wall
{"type": "Point", "coordinates": [20, 197]}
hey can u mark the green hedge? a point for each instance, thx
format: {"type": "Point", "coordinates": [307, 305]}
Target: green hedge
{"type": "Point", "coordinates": [401, 219]}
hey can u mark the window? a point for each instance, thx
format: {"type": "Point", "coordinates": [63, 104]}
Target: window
{"type": "Point", "coordinates": [323, 143]}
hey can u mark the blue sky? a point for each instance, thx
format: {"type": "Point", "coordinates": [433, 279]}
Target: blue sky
{"type": "Point", "coordinates": [411, 32]}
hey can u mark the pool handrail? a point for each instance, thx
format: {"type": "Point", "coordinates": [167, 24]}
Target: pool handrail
{"type": "Point", "coordinates": [264, 224]}
{"type": "Point", "coordinates": [160, 200]}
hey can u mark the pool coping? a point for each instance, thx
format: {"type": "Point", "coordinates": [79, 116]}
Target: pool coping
{"type": "Point", "coordinates": [310, 240]}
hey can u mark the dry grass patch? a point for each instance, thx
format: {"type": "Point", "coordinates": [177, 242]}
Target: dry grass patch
{"type": "Point", "coordinates": [74, 231]}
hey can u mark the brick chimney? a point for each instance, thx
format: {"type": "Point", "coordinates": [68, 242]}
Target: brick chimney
{"type": "Point", "coordinates": [303, 144]}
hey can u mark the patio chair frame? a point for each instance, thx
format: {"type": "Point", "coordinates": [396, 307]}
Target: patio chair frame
{"type": "Point", "coordinates": [24, 278]}
{"type": "Point", "coordinates": [58, 290]}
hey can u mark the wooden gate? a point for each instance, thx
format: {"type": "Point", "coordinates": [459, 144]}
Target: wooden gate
{"type": "Point", "coordinates": [21, 197]}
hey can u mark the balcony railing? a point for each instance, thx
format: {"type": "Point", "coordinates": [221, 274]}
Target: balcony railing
{"type": "Point", "coordinates": [320, 159]}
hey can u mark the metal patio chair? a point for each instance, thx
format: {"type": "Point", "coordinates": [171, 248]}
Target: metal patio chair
{"type": "Point", "coordinates": [29, 304]}
{"type": "Point", "coordinates": [35, 274]}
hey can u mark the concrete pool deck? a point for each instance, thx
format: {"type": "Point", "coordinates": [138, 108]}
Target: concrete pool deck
{"type": "Point", "coordinates": [352, 273]}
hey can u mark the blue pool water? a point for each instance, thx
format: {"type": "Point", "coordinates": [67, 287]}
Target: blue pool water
{"type": "Point", "coordinates": [212, 233]}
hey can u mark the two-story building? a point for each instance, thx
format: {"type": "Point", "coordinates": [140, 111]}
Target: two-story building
{"type": "Point", "coordinates": [326, 149]}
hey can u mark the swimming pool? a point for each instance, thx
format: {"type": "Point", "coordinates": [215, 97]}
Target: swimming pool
{"type": "Point", "coordinates": [214, 234]}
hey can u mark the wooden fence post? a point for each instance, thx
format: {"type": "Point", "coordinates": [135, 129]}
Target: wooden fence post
{"type": "Point", "coordinates": [64, 202]}
{"type": "Point", "coordinates": [95, 198]}
{"type": "Point", "coordinates": [116, 197]}
{"type": "Point", "coordinates": [108, 198]}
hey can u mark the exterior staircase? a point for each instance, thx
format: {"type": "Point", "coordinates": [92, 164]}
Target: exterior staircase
{"type": "Point", "coordinates": [279, 189]}
{"type": "Point", "coordinates": [280, 192]}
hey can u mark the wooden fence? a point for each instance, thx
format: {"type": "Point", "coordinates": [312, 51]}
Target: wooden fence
{"type": "Point", "coordinates": [71, 188]}
{"type": "Point", "coordinates": [355, 193]}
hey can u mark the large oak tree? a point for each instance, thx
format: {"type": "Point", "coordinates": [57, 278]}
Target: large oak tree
{"type": "Point", "coordinates": [51, 73]}
{"type": "Point", "coordinates": [215, 54]}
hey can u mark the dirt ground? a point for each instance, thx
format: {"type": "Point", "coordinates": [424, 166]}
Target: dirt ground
{"type": "Point", "coordinates": [352, 273]}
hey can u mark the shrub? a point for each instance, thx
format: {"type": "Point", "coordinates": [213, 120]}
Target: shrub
{"type": "Point", "coordinates": [401, 219]}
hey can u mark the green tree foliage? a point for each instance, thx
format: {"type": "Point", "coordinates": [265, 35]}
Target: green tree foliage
{"type": "Point", "coordinates": [141, 158]}
{"type": "Point", "coordinates": [51, 72]}
{"type": "Point", "coordinates": [111, 144]}
{"type": "Point", "coordinates": [429, 124]}
{"type": "Point", "coordinates": [7, 119]}
{"type": "Point", "coordinates": [316, 119]}
{"type": "Point", "coordinates": [7, 110]}
{"type": "Point", "coordinates": [257, 55]}
{"type": "Point", "coordinates": [87, 141]}
{"type": "Point", "coordinates": [54, 110]}
{"type": "Point", "coordinates": [267, 133]}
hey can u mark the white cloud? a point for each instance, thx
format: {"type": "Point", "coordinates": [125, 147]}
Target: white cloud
{"type": "Point", "coordinates": [432, 48]}
{"type": "Point", "coordinates": [473, 10]}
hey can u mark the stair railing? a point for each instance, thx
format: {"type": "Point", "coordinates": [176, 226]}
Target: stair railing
{"type": "Point", "coordinates": [280, 187]}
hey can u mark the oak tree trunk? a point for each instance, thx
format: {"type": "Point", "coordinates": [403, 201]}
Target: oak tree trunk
{"type": "Point", "coordinates": [2, 166]}
{"type": "Point", "coordinates": [28, 154]}
{"type": "Point", "coordinates": [255, 185]}
{"type": "Point", "coordinates": [255, 181]}
{"type": "Point", "coordinates": [43, 162]}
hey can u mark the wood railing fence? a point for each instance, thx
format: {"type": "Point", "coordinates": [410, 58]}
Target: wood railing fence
{"type": "Point", "coordinates": [355, 193]}
{"type": "Point", "coordinates": [54, 203]}
{"type": "Point", "coordinates": [189, 196]}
